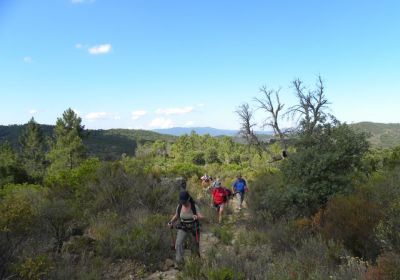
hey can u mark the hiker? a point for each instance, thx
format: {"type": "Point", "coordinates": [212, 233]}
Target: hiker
{"type": "Point", "coordinates": [205, 180]}
{"type": "Point", "coordinates": [239, 187]}
{"type": "Point", "coordinates": [220, 199]}
{"type": "Point", "coordinates": [188, 214]}
{"type": "Point", "coordinates": [215, 182]}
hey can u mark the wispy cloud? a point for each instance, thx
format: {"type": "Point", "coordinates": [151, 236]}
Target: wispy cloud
{"type": "Point", "coordinates": [33, 111]}
{"type": "Point", "coordinates": [138, 114]}
{"type": "Point", "coordinates": [161, 123]}
{"type": "Point", "coordinates": [82, 1]}
{"type": "Point", "coordinates": [175, 111]}
{"type": "Point", "coordinates": [28, 59]}
{"type": "Point", "coordinates": [93, 116]}
{"type": "Point", "coordinates": [100, 49]}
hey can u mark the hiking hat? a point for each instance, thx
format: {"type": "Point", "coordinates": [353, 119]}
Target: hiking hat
{"type": "Point", "coordinates": [218, 184]}
{"type": "Point", "coordinates": [183, 197]}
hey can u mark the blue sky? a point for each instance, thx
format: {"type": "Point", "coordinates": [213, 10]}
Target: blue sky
{"type": "Point", "coordinates": [156, 63]}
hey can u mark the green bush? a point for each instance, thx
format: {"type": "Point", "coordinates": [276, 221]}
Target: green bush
{"type": "Point", "coordinates": [270, 198]}
{"type": "Point", "coordinates": [323, 165]}
{"type": "Point", "coordinates": [19, 217]}
{"type": "Point", "coordinates": [223, 233]}
{"type": "Point", "coordinates": [185, 170]}
{"type": "Point", "coordinates": [352, 220]}
{"type": "Point", "coordinates": [147, 242]}
{"type": "Point", "coordinates": [224, 273]}
{"type": "Point", "coordinates": [36, 268]}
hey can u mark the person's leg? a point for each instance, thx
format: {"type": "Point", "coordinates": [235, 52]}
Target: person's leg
{"type": "Point", "coordinates": [221, 211]}
{"type": "Point", "coordinates": [179, 246]}
{"type": "Point", "coordinates": [216, 211]}
{"type": "Point", "coordinates": [241, 198]}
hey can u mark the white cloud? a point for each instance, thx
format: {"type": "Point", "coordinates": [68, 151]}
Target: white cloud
{"type": "Point", "coordinates": [138, 114]}
{"type": "Point", "coordinates": [77, 112]}
{"type": "Point", "coordinates": [93, 116]}
{"type": "Point", "coordinates": [175, 111]}
{"type": "Point", "coordinates": [28, 59]}
{"type": "Point", "coordinates": [100, 49]}
{"type": "Point", "coordinates": [33, 112]}
{"type": "Point", "coordinates": [161, 123]}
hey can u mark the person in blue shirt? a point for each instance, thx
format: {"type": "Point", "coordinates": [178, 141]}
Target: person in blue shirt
{"type": "Point", "coordinates": [240, 187]}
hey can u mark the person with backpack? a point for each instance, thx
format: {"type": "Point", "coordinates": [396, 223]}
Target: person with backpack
{"type": "Point", "coordinates": [240, 187]}
{"type": "Point", "coordinates": [220, 198]}
{"type": "Point", "coordinates": [188, 215]}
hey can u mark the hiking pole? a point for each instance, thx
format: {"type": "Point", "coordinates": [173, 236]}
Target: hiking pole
{"type": "Point", "coordinates": [172, 238]}
{"type": "Point", "coordinates": [197, 231]}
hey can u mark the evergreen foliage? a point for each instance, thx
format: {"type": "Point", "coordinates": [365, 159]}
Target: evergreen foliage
{"type": "Point", "coordinates": [32, 144]}
{"type": "Point", "coordinates": [67, 150]}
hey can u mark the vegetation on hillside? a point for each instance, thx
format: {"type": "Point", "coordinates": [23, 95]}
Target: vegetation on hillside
{"type": "Point", "coordinates": [328, 210]}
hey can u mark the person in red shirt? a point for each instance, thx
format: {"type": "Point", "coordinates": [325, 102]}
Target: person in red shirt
{"type": "Point", "coordinates": [220, 198]}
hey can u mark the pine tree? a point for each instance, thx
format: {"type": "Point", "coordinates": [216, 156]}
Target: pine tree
{"type": "Point", "coordinates": [67, 149]}
{"type": "Point", "coordinates": [32, 146]}
{"type": "Point", "coordinates": [10, 166]}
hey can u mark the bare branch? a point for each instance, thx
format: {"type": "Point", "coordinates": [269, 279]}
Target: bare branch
{"type": "Point", "coordinates": [311, 104]}
{"type": "Point", "coordinates": [272, 105]}
{"type": "Point", "coordinates": [246, 124]}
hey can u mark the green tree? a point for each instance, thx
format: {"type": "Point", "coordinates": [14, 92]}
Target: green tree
{"type": "Point", "coordinates": [323, 165]}
{"type": "Point", "coordinates": [32, 149]}
{"type": "Point", "coordinates": [67, 150]}
{"type": "Point", "coordinates": [211, 156]}
{"type": "Point", "coordinates": [11, 170]}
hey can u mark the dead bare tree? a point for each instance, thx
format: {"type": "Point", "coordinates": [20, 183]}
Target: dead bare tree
{"type": "Point", "coordinates": [309, 111]}
{"type": "Point", "coordinates": [274, 109]}
{"type": "Point", "coordinates": [246, 124]}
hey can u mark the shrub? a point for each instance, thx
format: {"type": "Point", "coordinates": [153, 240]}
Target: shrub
{"type": "Point", "coordinates": [387, 268]}
{"type": "Point", "coordinates": [269, 197]}
{"type": "Point", "coordinates": [224, 273]}
{"type": "Point", "coordinates": [18, 219]}
{"type": "Point", "coordinates": [352, 220]}
{"type": "Point", "coordinates": [224, 233]}
{"type": "Point", "coordinates": [197, 157]}
{"type": "Point", "coordinates": [35, 268]}
{"type": "Point", "coordinates": [57, 216]}
{"type": "Point", "coordinates": [147, 242]}
{"type": "Point", "coordinates": [185, 170]}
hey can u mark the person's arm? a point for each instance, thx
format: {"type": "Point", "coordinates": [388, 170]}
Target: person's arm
{"type": "Point", "coordinates": [199, 216]}
{"type": "Point", "coordinates": [245, 186]}
{"type": "Point", "coordinates": [234, 186]}
{"type": "Point", "coordinates": [173, 219]}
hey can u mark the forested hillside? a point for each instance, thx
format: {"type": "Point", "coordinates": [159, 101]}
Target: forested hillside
{"type": "Point", "coordinates": [381, 135]}
{"type": "Point", "coordinates": [105, 144]}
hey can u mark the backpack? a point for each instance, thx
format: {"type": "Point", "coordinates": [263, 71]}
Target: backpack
{"type": "Point", "coordinates": [228, 193]}
{"type": "Point", "coordinates": [219, 195]}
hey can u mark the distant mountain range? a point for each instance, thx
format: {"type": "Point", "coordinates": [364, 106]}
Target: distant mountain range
{"type": "Point", "coordinates": [178, 131]}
